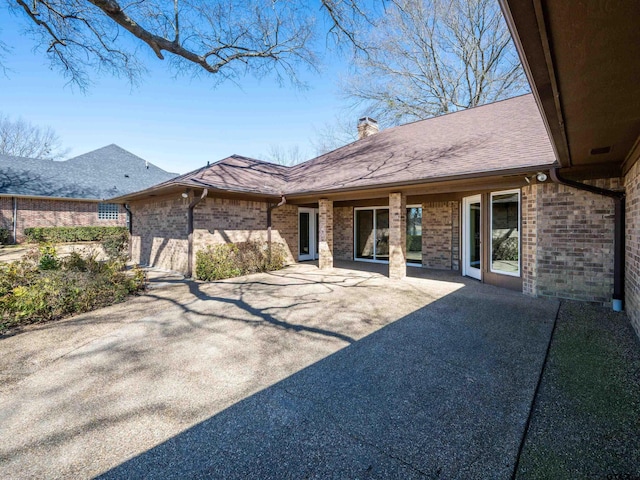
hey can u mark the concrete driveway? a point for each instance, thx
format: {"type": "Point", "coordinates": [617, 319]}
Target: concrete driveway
{"type": "Point", "coordinates": [293, 374]}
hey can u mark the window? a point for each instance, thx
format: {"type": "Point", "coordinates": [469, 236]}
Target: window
{"type": "Point", "coordinates": [108, 211]}
{"type": "Point", "coordinates": [372, 234]}
{"type": "Point", "coordinates": [505, 232]}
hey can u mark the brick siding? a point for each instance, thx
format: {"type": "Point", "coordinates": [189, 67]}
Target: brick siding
{"type": "Point", "coordinates": [343, 233]}
{"type": "Point", "coordinates": [573, 234]}
{"type": "Point", "coordinates": [38, 212]}
{"type": "Point", "coordinates": [218, 220]}
{"type": "Point", "coordinates": [632, 246]}
{"type": "Point", "coordinates": [160, 227]}
{"type": "Point", "coordinates": [160, 232]}
{"type": "Point", "coordinates": [529, 238]}
{"type": "Point", "coordinates": [441, 235]}
{"type": "Point", "coordinates": [397, 235]}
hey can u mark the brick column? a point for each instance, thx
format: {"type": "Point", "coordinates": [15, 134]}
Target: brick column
{"type": "Point", "coordinates": [325, 235]}
{"type": "Point", "coordinates": [397, 236]}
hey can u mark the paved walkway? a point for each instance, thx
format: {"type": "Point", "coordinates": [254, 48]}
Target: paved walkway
{"type": "Point", "coordinates": [294, 374]}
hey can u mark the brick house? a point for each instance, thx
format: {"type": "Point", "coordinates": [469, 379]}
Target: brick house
{"type": "Point", "coordinates": [44, 193]}
{"type": "Point", "coordinates": [468, 191]}
{"type": "Point", "coordinates": [582, 62]}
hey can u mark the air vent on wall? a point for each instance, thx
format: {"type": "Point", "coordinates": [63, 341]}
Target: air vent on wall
{"type": "Point", "coordinates": [600, 150]}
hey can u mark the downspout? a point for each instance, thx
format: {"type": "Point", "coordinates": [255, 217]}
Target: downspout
{"type": "Point", "coordinates": [192, 205]}
{"type": "Point", "coordinates": [15, 220]}
{"type": "Point", "coordinates": [130, 214]}
{"type": "Point", "coordinates": [619, 221]}
{"type": "Point", "coordinates": [269, 209]}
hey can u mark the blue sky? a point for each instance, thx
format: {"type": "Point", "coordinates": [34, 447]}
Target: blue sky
{"type": "Point", "coordinates": [177, 124]}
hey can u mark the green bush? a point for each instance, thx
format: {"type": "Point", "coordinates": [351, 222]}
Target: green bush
{"type": "Point", "coordinates": [72, 234]}
{"type": "Point", "coordinates": [116, 245]}
{"type": "Point", "coordinates": [48, 258]}
{"type": "Point", "coordinates": [34, 289]}
{"type": "Point", "coordinates": [229, 260]}
{"type": "Point", "coordinates": [5, 236]}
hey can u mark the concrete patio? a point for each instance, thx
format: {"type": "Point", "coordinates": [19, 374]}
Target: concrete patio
{"type": "Point", "coordinates": [294, 374]}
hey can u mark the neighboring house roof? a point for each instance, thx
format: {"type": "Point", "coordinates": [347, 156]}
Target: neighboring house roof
{"type": "Point", "coordinates": [104, 173]}
{"type": "Point", "coordinates": [506, 136]}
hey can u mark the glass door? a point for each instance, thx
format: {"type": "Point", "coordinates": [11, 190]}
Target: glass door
{"type": "Point", "coordinates": [471, 237]}
{"type": "Point", "coordinates": [307, 234]}
{"type": "Point", "coordinates": [372, 234]}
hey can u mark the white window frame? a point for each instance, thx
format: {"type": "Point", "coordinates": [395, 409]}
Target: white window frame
{"type": "Point", "coordinates": [418, 263]}
{"type": "Point", "coordinates": [505, 192]}
{"type": "Point", "coordinates": [112, 211]}
{"type": "Point", "coordinates": [375, 226]}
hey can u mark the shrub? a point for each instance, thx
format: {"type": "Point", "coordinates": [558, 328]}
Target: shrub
{"type": "Point", "coordinates": [71, 234]}
{"type": "Point", "coordinates": [31, 292]}
{"type": "Point", "coordinates": [116, 245]}
{"type": "Point", "coordinates": [5, 236]}
{"type": "Point", "coordinates": [229, 260]}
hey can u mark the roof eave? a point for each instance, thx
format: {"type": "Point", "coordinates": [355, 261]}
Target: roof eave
{"type": "Point", "coordinates": [412, 183]}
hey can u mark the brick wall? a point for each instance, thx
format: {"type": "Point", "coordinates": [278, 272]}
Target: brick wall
{"type": "Point", "coordinates": [574, 242]}
{"type": "Point", "coordinates": [441, 235]}
{"type": "Point", "coordinates": [160, 232]}
{"type": "Point", "coordinates": [529, 239]}
{"type": "Point", "coordinates": [218, 220]}
{"type": "Point", "coordinates": [6, 213]}
{"type": "Point", "coordinates": [343, 233]}
{"type": "Point", "coordinates": [632, 246]}
{"type": "Point", "coordinates": [38, 212]}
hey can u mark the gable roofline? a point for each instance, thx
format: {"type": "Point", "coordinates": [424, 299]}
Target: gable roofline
{"type": "Point", "coordinates": [503, 136]}
{"type": "Point", "coordinates": [95, 175]}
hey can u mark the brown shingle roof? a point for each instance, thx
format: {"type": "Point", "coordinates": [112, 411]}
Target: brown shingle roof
{"type": "Point", "coordinates": [502, 136]}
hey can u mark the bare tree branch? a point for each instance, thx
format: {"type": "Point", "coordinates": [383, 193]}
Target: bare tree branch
{"type": "Point", "coordinates": [22, 139]}
{"type": "Point", "coordinates": [429, 57]}
{"type": "Point", "coordinates": [229, 38]}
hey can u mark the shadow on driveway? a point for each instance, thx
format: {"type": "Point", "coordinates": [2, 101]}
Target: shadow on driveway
{"type": "Point", "coordinates": [444, 391]}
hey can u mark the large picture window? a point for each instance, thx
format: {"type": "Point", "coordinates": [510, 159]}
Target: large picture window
{"type": "Point", "coordinates": [505, 232]}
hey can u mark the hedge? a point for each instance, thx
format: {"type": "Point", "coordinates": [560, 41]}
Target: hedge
{"type": "Point", "coordinates": [71, 234]}
{"type": "Point", "coordinates": [228, 260]}
{"type": "Point", "coordinates": [5, 236]}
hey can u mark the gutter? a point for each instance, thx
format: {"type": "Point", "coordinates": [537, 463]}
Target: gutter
{"type": "Point", "coordinates": [192, 205]}
{"type": "Point", "coordinates": [619, 221]}
{"type": "Point", "coordinates": [270, 208]}
{"type": "Point", "coordinates": [130, 213]}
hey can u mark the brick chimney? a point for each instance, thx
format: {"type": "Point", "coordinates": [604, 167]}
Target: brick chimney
{"type": "Point", "coordinates": [366, 127]}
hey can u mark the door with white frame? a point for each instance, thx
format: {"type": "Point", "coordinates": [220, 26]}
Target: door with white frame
{"type": "Point", "coordinates": [471, 237]}
{"type": "Point", "coordinates": [308, 220]}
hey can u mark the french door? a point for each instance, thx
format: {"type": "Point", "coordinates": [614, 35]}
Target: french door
{"type": "Point", "coordinates": [308, 220]}
{"type": "Point", "coordinates": [471, 237]}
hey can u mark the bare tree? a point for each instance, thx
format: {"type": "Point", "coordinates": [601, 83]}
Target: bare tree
{"type": "Point", "coordinates": [20, 138]}
{"type": "Point", "coordinates": [285, 156]}
{"type": "Point", "coordinates": [430, 57]}
{"type": "Point", "coordinates": [227, 38]}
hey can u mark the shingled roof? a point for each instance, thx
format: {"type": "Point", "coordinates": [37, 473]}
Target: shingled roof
{"type": "Point", "coordinates": [104, 173]}
{"type": "Point", "coordinates": [502, 137]}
